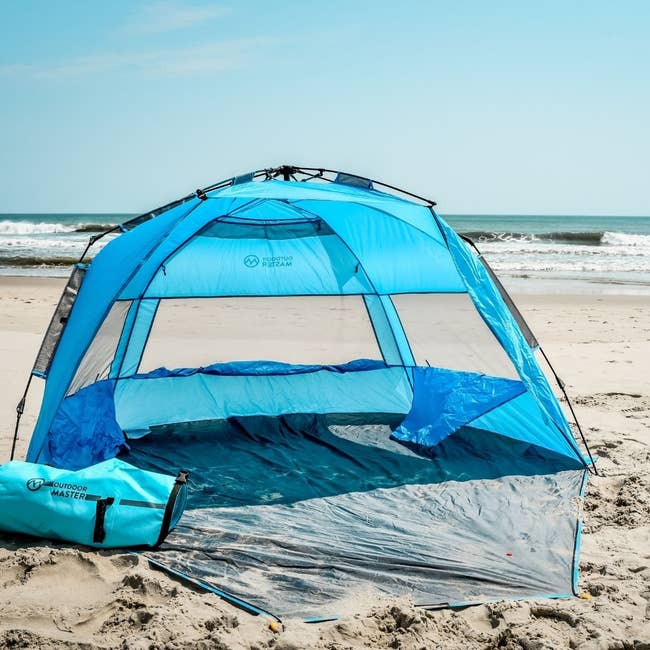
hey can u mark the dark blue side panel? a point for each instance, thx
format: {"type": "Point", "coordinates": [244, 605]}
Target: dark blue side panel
{"type": "Point", "coordinates": [84, 431]}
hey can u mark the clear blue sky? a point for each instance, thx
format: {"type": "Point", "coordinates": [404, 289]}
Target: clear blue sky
{"type": "Point", "coordinates": [487, 107]}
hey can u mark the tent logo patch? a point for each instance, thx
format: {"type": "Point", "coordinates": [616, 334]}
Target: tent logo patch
{"type": "Point", "coordinates": [272, 262]}
{"type": "Point", "coordinates": [277, 261]}
{"type": "Point", "coordinates": [35, 484]}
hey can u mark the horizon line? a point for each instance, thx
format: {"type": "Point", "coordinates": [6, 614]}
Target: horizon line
{"type": "Point", "coordinates": [445, 213]}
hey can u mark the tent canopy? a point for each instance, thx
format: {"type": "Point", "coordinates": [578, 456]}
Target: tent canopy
{"type": "Point", "coordinates": [284, 312]}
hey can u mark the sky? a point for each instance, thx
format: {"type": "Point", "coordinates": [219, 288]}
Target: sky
{"type": "Point", "coordinates": [486, 107]}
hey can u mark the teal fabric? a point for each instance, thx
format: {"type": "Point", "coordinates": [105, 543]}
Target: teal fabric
{"type": "Point", "coordinates": [129, 322]}
{"type": "Point", "coordinates": [61, 504]}
{"type": "Point", "coordinates": [522, 419]}
{"type": "Point", "coordinates": [256, 267]}
{"type": "Point", "coordinates": [143, 403]}
{"type": "Point", "coordinates": [134, 338]}
{"type": "Point", "coordinates": [383, 330]}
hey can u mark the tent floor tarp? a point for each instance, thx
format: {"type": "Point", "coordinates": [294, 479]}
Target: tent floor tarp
{"type": "Point", "coordinates": [303, 515]}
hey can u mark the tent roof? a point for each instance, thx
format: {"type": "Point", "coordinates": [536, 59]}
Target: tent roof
{"type": "Point", "coordinates": [400, 246]}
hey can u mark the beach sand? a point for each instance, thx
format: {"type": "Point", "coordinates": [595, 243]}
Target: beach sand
{"type": "Point", "coordinates": [54, 595]}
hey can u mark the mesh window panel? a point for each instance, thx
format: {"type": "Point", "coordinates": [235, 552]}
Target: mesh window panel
{"type": "Point", "coordinates": [446, 331]}
{"type": "Point", "coordinates": [58, 322]}
{"type": "Point", "coordinates": [531, 339]}
{"type": "Point", "coordinates": [97, 361]}
{"type": "Point", "coordinates": [196, 332]}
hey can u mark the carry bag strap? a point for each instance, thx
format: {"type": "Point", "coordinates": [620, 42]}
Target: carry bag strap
{"type": "Point", "coordinates": [181, 480]}
{"type": "Point", "coordinates": [99, 534]}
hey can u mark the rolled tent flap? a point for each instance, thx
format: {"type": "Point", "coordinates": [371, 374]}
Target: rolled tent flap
{"type": "Point", "coordinates": [445, 400]}
{"type": "Point", "coordinates": [255, 368]}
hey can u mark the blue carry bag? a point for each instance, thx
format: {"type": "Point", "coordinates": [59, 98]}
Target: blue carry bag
{"type": "Point", "coordinates": [108, 505]}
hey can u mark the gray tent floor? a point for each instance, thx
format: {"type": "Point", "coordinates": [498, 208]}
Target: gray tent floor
{"type": "Point", "coordinates": [303, 516]}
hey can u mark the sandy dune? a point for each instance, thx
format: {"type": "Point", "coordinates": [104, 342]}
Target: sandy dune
{"type": "Point", "coordinates": [54, 596]}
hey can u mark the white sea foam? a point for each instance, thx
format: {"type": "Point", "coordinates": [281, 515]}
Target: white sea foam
{"type": "Point", "coordinates": [530, 248]}
{"type": "Point", "coordinates": [625, 239]}
{"type": "Point", "coordinates": [9, 227]}
{"type": "Point", "coordinates": [41, 244]}
{"type": "Point", "coordinates": [531, 265]}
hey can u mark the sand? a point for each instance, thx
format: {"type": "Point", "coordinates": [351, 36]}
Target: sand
{"type": "Point", "coordinates": [54, 595]}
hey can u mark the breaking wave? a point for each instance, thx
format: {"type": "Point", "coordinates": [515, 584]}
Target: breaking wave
{"type": "Point", "coordinates": [594, 238]}
{"type": "Point", "coordinates": [36, 261]}
{"type": "Point", "coordinates": [94, 227]}
{"type": "Point", "coordinates": [8, 227]}
{"type": "Point", "coordinates": [11, 227]}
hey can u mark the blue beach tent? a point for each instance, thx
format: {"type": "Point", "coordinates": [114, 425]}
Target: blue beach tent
{"type": "Point", "coordinates": [357, 399]}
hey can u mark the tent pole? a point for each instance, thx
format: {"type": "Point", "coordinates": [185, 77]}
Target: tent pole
{"type": "Point", "coordinates": [19, 412]}
{"type": "Point", "coordinates": [561, 384]}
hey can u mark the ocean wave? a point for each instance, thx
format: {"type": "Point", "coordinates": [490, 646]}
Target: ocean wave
{"type": "Point", "coordinates": [625, 239]}
{"type": "Point", "coordinates": [30, 243]}
{"type": "Point", "coordinates": [36, 261]}
{"type": "Point", "coordinates": [11, 227]}
{"type": "Point", "coordinates": [570, 267]}
{"type": "Point", "coordinates": [517, 249]}
{"type": "Point", "coordinates": [593, 238]}
{"type": "Point", "coordinates": [94, 227]}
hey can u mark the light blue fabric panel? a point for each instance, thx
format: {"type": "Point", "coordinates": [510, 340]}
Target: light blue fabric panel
{"type": "Point", "coordinates": [255, 267]}
{"type": "Point", "coordinates": [523, 420]}
{"type": "Point", "coordinates": [62, 504]}
{"type": "Point", "coordinates": [205, 212]}
{"type": "Point", "coordinates": [124, 338]}
{"type": "Point", "coordinates": [363, 230]}
{"type": "Point", "coordinates": [269, 209]}
{"type": "Point", "coordinates": [496, 314]}
{"type": "Point", "coordinates": [397, 257]}
{"type": "Point", "coordinates": [446, 400]}
{"type": "Point", "coordinates": [294, 193]}
{"type": "Point", "coordinates": [140, 403]}
{"type": "Point", "coordinates": [383, 330]}
{"type": "Point", "coordinates": [398, 331]}
{"type": "Point", "coordinates": [138, 337]}
{"type": "Point", "coordinates": [108, 273]}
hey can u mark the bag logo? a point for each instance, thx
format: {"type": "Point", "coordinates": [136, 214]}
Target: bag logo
{"type": "Point", "coordinates": [251, 261]}
{"type": "Point", "coordinates": [35, 484]}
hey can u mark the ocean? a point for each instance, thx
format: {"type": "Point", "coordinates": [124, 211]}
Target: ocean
{"type": "Point", "coordinates": [606, 250]}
